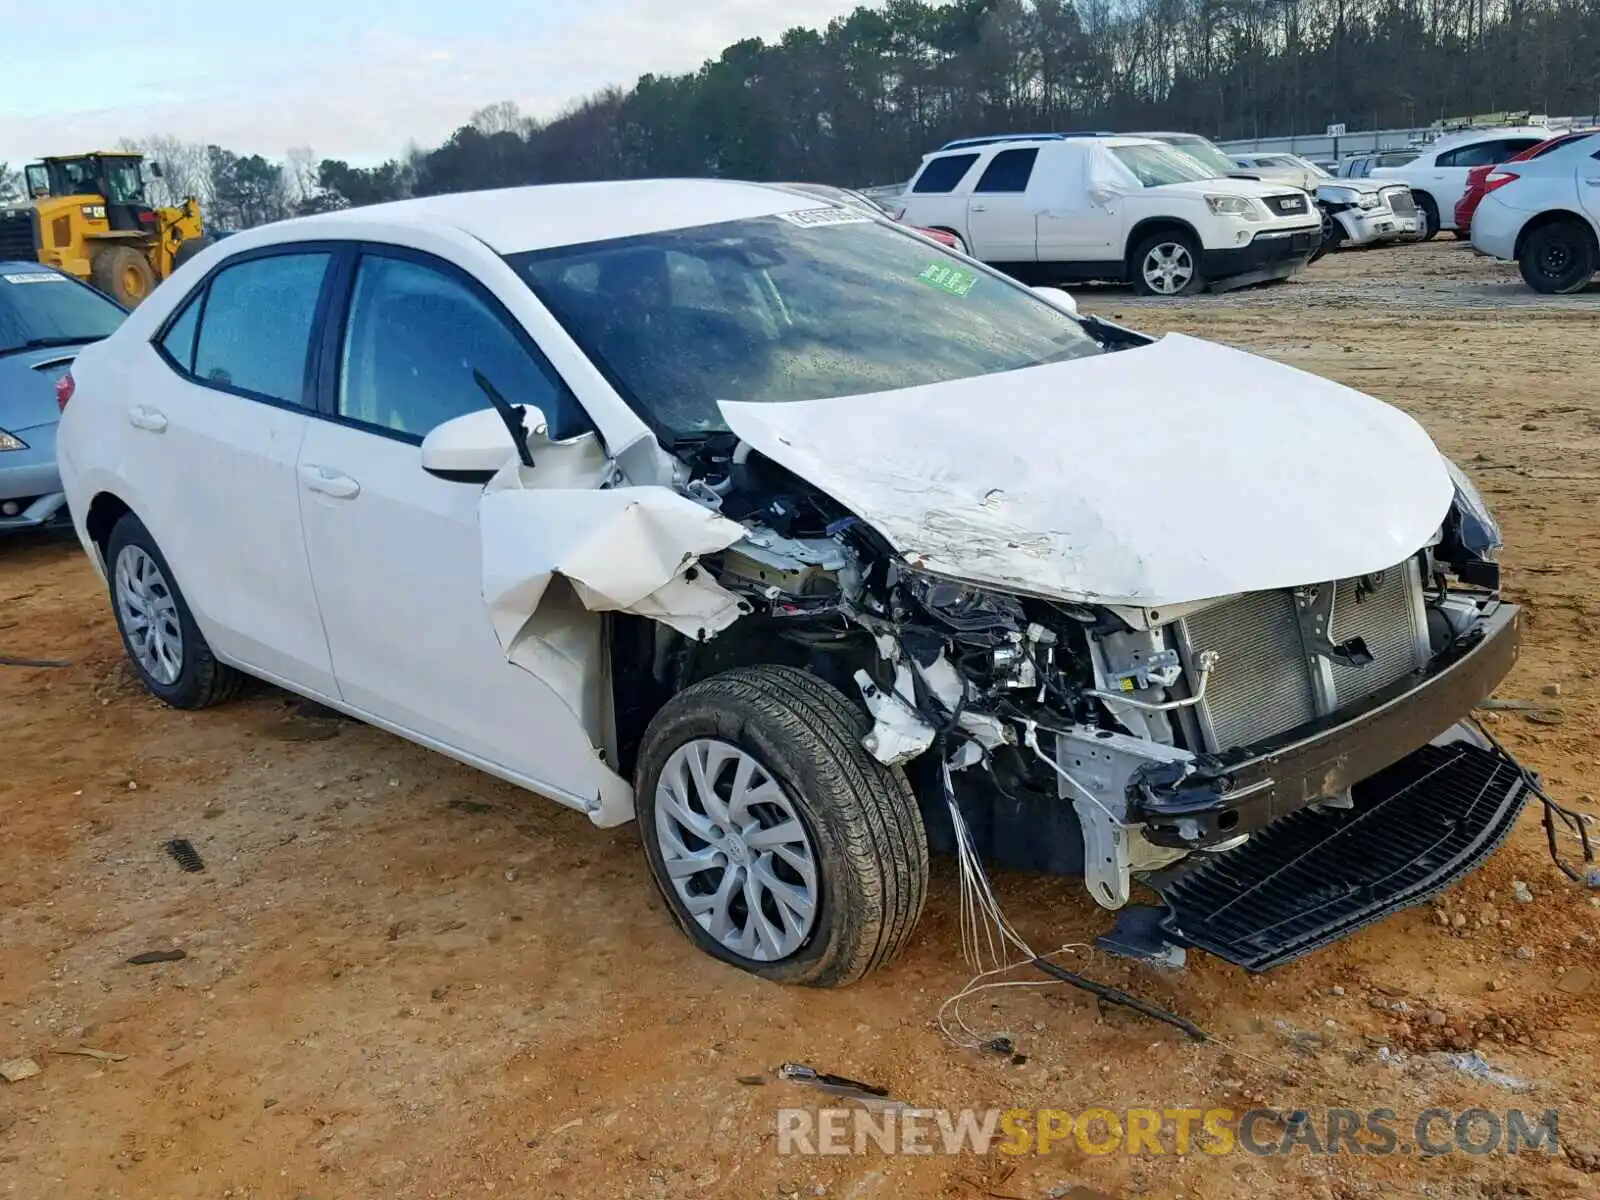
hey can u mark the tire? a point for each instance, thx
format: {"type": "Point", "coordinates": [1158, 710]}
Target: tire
{"type": "Point", "coordinates": [1179, 251]}
{"type": "Point", "coordinates": [124, 274]}
{"type": "Point", "coordinates": [853, 820]}
{"type": "Point", "coordinates": [189, 249]}
{"type": "Point", "coordinates": [1332, 235]}
{"type": "Point", "coordinates": [1430, 217]}
{"type": "Point", "coordinates": [187, 675]}
{"type": "Point", "coordinates": [1558, 258]}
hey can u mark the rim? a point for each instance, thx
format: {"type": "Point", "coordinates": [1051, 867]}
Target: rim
{"type": "Point", "coordinates": [1555, 260]}
{"type": "Point", "coordinates": [133, 281]}
{"type": "Point", "coordinates": [149, 613]}
{"type": "Point", "coordinates": [735, 851]}
{"type": "Point", "coordinates": [1168, 268]}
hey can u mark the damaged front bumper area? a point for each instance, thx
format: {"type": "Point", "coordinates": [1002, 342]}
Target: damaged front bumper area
{"type": "Point", "coordinates": [1220, 797]}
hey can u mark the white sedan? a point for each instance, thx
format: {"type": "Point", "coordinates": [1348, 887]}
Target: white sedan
{"type": "Point", "coordinates": [712, 504]}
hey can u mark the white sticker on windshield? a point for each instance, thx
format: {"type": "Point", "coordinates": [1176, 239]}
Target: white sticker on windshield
{"type": "Point", "coordinates": [35, 277]}
{"type": "Point", "coordinates": [809, 218]}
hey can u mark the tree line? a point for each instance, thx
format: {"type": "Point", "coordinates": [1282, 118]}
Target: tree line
{"type": "Point", "coordinates": [860, 101]}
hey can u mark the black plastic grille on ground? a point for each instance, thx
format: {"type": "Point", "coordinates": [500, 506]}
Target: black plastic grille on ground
{"type": "Point", "coordinates": [1313, 877]}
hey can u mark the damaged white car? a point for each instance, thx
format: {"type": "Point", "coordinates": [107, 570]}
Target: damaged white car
{"type": "Point", "coordinates": [811, 546]}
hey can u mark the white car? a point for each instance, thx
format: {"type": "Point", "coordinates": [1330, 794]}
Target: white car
{"type": "Point", "coordinates": [1544, 214]}
{"type": "Point", "coordinates": [1354, 212]}
{"type": "Point", "coordinates": [700, 503]}
{"type": "Point", "coordinates": [1437, 176]}
{"type": "Point", "coordinates": [1055, 209]}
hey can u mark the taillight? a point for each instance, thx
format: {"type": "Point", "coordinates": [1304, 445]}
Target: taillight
{"type": "Point", "coordinates": [65, 386]}
{"type": "Point", "coordinates": [1498, 179]}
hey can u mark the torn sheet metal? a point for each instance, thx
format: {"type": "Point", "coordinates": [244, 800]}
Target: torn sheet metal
{"type": "Point", "coordinates": [1173, 472]}
{"type": "Point", "coordinates": [630, 550]}
{"type": "Point", "coordinates": [898, 733]}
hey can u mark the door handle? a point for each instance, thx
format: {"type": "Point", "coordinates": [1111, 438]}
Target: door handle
{"type": "Point", "coordinates": [1593, 182]}
{"type": "Point", "coordinates": [329, 482]}
{"type": "Point", "coordinates": [978, 208]}
{"type": "Point", "coordinates": [142, 416]}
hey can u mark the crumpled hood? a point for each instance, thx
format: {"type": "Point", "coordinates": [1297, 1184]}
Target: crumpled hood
{"type": "Point", "coordinates": [1174, 472]}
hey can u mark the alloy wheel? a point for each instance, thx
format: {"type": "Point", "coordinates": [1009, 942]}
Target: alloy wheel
{"type": "Point", "coordinates": [149, 613]}
{"type": "Point", "coordinates": [1168, 268]}
{"type": "Point", "coordinates": [737, 853]}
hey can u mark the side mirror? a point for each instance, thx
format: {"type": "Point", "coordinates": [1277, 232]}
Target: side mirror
{"type": "Point", "coordinates": [472, 448]}
{"type": "Point", "coordinates": [1057, 298]}
{"type": "Point", "coordinates": [155, 168]}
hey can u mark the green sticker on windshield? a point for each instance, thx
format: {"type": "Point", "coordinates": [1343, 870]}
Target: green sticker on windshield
{"type": "Point", "coordinates": [948, 279]}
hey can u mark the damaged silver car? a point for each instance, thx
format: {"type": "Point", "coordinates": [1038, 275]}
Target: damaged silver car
{"type": "Point", "coordinates": [815, 546]}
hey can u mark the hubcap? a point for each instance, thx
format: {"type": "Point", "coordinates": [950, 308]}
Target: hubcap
{"type": "Point", "coordinates": [736, 851]}
{"type": "Point", "coordinates": [149, 616]}
{"type": "Point", "coordinates": [1168, 268]}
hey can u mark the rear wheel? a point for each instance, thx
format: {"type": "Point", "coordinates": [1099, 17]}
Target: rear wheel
{"type": "Point", "coordinates": [124, 274]}
{"type": "Point", "coordinates": [1332, 234]}
{"type": "Point", "coordinates": [779, 844]}
{"type": "Point", "coordinates": [1558, 258]}
{"type": "Point", "coordinates": [1167, 264]}
{"type": "Point", "coordinates": [159, 634]}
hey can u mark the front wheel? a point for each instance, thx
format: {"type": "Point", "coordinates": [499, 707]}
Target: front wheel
{"type": "Point", "coordinates": [779, 844]}
{"type": "Point", "coordinates": [123, 273]}
{"type": "Point", "coordinates": [1167, 264]}
{"type": "Point", "coordinates": [1558, 258]}
{"type": "Point", "coordinates": [1429, 211]}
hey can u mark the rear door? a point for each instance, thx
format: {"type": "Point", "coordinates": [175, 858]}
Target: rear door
{"type": "Point", "coordinates": [396, 553]}
{"type": "Point", "coordinates": [935, 199]}
{"type": "Point", "coordinates": [216, 425]}
{"type": "Point", "coordinates": [1589, 183]}
{"type": "Point", "coordinates": [1000, 214]}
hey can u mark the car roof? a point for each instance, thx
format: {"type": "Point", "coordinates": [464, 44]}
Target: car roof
{"type": "Point", "coordinates": [513, 220]}
{"type": "Point", "coordinates": [1488, 133]}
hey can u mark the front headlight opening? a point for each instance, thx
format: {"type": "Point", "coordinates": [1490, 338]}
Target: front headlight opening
{"type": "Point", "coordinates": [10, 441]}
{"type": "Point", "coordinates": [1242, 207]}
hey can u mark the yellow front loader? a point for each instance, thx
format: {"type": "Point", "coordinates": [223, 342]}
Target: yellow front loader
{"type": "Point", "coordinates": [87, 214]}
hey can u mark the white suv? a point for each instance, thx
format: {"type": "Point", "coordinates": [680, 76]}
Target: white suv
{"type": "Point", "coordinates": [1437, 176]}
{"type": "Point", "coordinates": [1545, 214]}
{"type": "Point", "coordinates": [1055, 208]}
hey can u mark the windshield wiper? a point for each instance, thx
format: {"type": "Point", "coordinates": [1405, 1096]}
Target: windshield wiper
{"type": "Point", "coordinates": [47, 343]}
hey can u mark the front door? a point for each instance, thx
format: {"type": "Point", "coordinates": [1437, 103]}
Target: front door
{"type": "Point", "coordinates": [396, 553]}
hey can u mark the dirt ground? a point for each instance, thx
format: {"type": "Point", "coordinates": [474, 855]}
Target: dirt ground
{"type": "Point", "coordinates": [405, 979]}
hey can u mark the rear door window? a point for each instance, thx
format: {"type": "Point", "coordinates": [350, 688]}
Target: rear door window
{"type": "Point", "coordinates": [255, 329]}
{"type": "Point", "coordinates": [942, 174]}
{"type": "Point", "coordinates": [1008, 171]}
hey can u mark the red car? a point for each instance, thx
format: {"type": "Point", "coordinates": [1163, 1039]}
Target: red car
{"type": "Point", "coordinates": [1478, 185]}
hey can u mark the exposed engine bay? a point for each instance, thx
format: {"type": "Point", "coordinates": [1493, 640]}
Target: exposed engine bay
{"type": "Point", "coordinates": [1105, 741]}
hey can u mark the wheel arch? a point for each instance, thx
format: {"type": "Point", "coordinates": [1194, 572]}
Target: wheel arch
{"type": "Point", "coordinates": [1151, 226]}
{"type": "Point", "coordinates": [1555, 216]}
{"type": "Point", "coordinates": [101, 517]}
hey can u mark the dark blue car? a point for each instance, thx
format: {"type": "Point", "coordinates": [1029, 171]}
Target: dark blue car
{"type": "Point", "coordinates": [45, 317]}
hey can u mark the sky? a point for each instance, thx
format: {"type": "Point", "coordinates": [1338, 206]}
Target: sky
{"type": "Point", "coordinates": [352, 79]}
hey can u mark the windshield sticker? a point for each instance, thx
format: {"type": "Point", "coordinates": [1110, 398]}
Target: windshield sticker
{"type": "Point", "coordinates": [810, 218]}
{"type": "Point", "coordinates": [948, 279]}
{"type": "Point", "coordinates": [35, 277]}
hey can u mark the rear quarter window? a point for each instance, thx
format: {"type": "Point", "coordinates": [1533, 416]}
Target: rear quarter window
{"type": "Point", "coordinates": [941, 175]}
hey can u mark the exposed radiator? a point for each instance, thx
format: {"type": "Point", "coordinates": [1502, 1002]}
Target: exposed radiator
{"type": "Point", "coordinates": [1266, 680]}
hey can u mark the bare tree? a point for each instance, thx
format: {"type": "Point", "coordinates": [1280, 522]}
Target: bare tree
{"type": "Point", "coordinates": [185, 170]}
{"type": "Point", "coordinates": [10, 183]}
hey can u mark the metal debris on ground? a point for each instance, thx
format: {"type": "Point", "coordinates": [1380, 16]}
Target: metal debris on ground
{"type": "Point", "coordinates": [834, 1085]}
{"type": "Point", "coordinates": [185, 855]}
{"type": "Point", "coordinates": [7, 661]}
{"type": "Point", "coordinates": [156, 956]}
{"type": "Point", "coordinates": [17, 1069]}
{"type": "Point", "coordinates": [91, 1052]}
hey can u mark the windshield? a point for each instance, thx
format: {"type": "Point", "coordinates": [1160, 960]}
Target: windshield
{"type": "Point", "coordinates": [1207, 155]}
{"type": "Point", "coordinates": [42, 308]}
{"type": "Point", "coordinates": [802, 306]}
{"type": "Point", "coordinates": [1311, 167]}
{"type": "Point", "coordinates": [1156, 165]}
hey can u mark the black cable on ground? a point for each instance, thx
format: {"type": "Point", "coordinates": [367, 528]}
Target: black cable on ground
{"type": "Point", "coordinates": [1118, 996]}
{"type": "Point", "coordinates": [1552, 809]}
